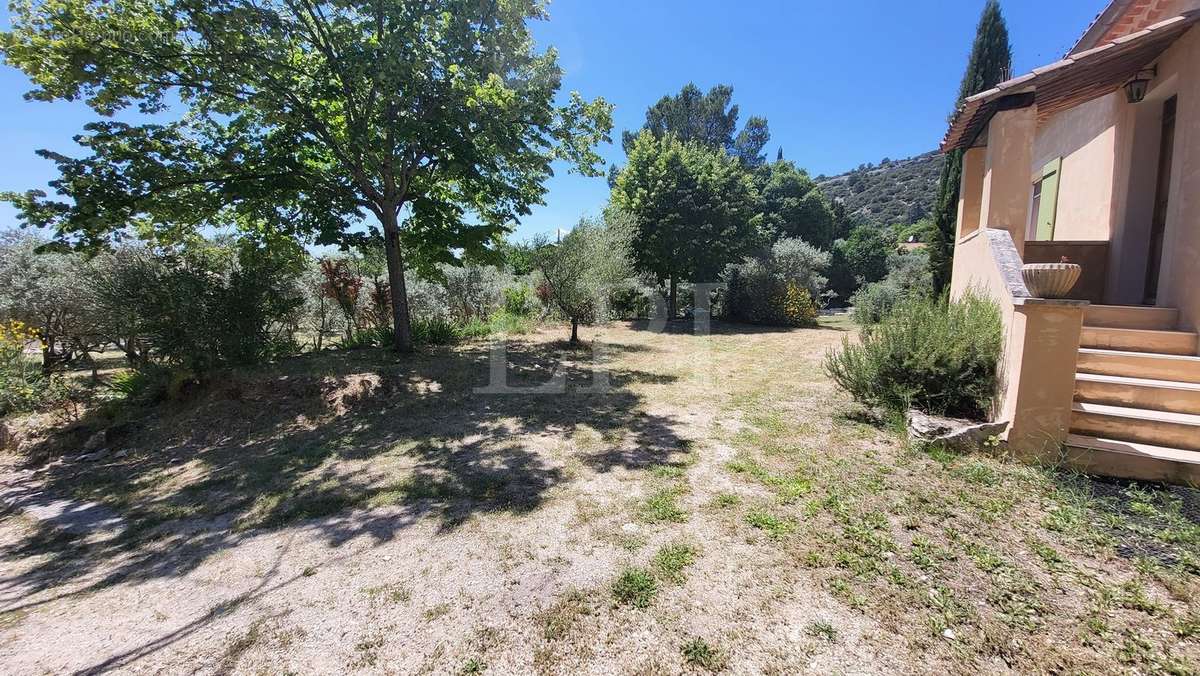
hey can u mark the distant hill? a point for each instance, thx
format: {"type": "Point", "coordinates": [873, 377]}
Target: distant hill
{"type": "Point", "coordinates": [893, 191]}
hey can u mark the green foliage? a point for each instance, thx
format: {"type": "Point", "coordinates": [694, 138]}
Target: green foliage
{"type": "Point", "coordinates": [206, 305]}
{"type": "Point", "coordinates": [663, 506]}
{"type": "Point", "coordinates": [919, 231]}
{"type": "Point", "coordinates": [22, 382]}
{"type": "Point", "coordinates": [516, 256]}
{"type": "Point", "coordinates": [776, 289]}
{"type": "Point", "coordinates": [859, 259]}
{"type": "Point", "coordinates": [908, 274]}
{"type": "Point", "coordinates": [775, 527]}
{"type": "Point", "coordinates": [631, 300]}
{"type": "Point", "coordinates": [635, 587]}
{"type": "Point", "coordinates": [151, 383]}
{"type": "Point", "coordinates": [989, 64]}
{"type": "Point", "coordinates": [45, 290]}
{"type": "Point", "coordinates": [796, 307]}
{"type": "Point", "coordinates": [701, 654]}
{"type": "Point", "coordinates": [305, 121]}
{"type": "Point", "coordinates": [141, 386]}
{"type": "Point", "coordinates": [708, 119]}
{"type": "Point", "coordinates": [578, 273]}
{"type": "Point", "coordinates": [519, 300]}
{"type": "Point", "coordinates": [937, 357]}
{"type": "Point", "coordinates": [672, 560]}
{"type": "Point", "coordinates": [893, 191]}
{"type": "Point", "coordinates": [695, 209]}
{"type": "Point", "coordinates": [503, 321]}
{"type": "Point", "coordinates": [793, 207]}
{"type": "Point", "coordinates": [441, 330]}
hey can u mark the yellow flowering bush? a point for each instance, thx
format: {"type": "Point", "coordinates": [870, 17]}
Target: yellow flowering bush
{"type": "Point", "coordinates": [21, 380]}
{"type": "Point", "coordinates": [796, 306]}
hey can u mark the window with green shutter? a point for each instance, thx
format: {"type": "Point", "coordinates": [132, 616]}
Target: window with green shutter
{"type": "Point", "coordinates": [1047, 202]}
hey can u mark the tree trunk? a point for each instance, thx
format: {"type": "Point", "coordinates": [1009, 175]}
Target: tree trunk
{"type": "Point", "coordinates": [401, 329]}
{"type": "Point", "coordinates": [574, 330]}
{"type": "Point", "coordinates": [671, 300]}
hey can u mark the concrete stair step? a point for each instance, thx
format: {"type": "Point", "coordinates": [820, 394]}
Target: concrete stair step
{"type": "Point", "coordinates": [1179, 368]}
{"type": "Point", "coordinates": [1147, 393]}
{"type": "Point", "coordinates": [1138, 425]}
{"type": "Point", "coordinates": [1139, 340]}
{"type": "Point", "coordinates": [1131, 317]}
{"type": "Point", "coordinates": [1131, 460]}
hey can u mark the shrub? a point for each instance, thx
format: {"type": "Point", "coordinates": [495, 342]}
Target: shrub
{"type": "Point", "coordinates": [22, 381]}
{"type": "Point", "coordinates": [206, 306]}
{"type": "Point", "coordinates": [631, 299]}
{"type": "Point", "coordinates": [760, 290]}
{"type": "Point", "coordinates": [908, 274]}
{"type": "Point", "coordinates": [431, 331]}
{"type": "Point", "coordinates": [425, 331]}
{"type": "Point", "coordinates": [472, 328]}
{"type": "Point", "coordinates": [519, 300]}
{"type": "Point", "coordinates": [872, 302]}
{"type": "Point", "coordinates": [797, 307]}
{"type": "Point", "coordinates": [938, 357]}
{"type": "Point", "coordinates": [504, 321]}
{"type": "Point", "coordinates": [474, 291]}
{"type": "Point", "coordinates": [151, 383]}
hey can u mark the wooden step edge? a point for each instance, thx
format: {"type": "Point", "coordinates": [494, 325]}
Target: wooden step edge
{"type": "Point", "coordinates": [1130, 354]}
{"type": "Point", "coordinates": [1131, 316]}
{"type": "Point", "coordinates": [1084, 441]}
{"type": "Point", "coordinates": [1132, 381]}
{"type": "Point", "coordinates": [1144, 414]}
{"type": "Point", "coordinates": [1166, 333]}
{"type": "Point", "coordinates": [1133, 308]}
{"type": "Point", "coordinates": [1131, 460]}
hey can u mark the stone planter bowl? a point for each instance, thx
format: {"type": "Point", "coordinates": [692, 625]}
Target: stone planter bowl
{"type": "Point", "coordinates": [1050, 280]}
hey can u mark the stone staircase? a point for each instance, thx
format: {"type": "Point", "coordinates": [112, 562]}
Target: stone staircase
{"type": "Point", "coordinates": [1137, 396]}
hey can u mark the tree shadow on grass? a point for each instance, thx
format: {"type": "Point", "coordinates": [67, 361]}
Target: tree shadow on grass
{"type": "Point", "coordinates": [319, 438]}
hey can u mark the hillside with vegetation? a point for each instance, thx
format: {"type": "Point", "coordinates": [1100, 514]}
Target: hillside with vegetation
{"type": "Point", "coordinates": [893, 191]}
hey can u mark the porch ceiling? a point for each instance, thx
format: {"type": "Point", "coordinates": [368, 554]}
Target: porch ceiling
{"type": "Point", "coordinates": [1069, 82]}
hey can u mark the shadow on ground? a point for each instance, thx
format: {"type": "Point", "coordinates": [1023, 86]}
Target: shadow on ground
{"type": "Point", "coordinates": [320, 435]}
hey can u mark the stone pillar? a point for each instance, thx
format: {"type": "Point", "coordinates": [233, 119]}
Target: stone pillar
{"type": "Point", "coordinates": [1038, 373]}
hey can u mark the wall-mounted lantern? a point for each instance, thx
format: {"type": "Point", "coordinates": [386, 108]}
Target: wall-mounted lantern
{"type": "Point", "coordinates": [1135, 89]}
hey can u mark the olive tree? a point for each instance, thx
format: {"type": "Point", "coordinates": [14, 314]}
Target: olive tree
{"type": "Point", "coordinates": [579, 271]}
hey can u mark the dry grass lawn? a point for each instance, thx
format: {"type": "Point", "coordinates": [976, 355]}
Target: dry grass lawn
{"type": "Point", "coordinates": [722, 506]}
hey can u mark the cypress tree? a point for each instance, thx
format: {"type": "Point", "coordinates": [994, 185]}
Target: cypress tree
{"type": "Point", "coordinates": [989, 64]}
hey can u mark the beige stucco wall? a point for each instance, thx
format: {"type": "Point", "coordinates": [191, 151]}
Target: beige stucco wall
{"type": "Point", "coordinates": [1041, 340]}
{"type": "Point", "coordinates": [1109, 150]}
{"type": "Point", "coordinates": [1004, 204]}
{"type": "Point", "coordinates": [1179, 281]}
{"type": "Point", "coordinates": [1085, 137]}
{"type": "Point", "coordinates": [970, 191]}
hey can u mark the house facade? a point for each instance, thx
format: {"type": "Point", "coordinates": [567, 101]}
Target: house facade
{"type": "Point", "coordinates": [1095, 158]}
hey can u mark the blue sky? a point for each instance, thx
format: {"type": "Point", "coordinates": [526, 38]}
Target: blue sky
{"type": "Point", "coordinates": [840, 83]}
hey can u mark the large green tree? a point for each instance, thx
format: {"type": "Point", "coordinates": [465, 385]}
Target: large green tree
{"type": "Point", "coordinates": [695, 209]}
{"type": "Point", "coordinates": [793, 206]}
{"type": "Point", "coordinates": [709, 119]}
{"type": "Point", "coordinates": [989, 64]}
{"type": "Point", "coordinates": [427, 125]}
